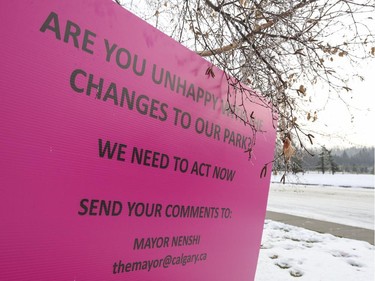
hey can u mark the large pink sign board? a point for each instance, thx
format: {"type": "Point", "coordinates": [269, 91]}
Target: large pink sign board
{"type": "Point", "coordinates": [118, 159]}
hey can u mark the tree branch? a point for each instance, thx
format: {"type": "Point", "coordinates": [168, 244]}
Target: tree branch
{"type": "Point", "coordinates": [257, 29]}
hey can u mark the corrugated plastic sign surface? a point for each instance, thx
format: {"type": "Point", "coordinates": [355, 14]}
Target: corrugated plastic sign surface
{"type": "Point", "coordinates": [118, 158]}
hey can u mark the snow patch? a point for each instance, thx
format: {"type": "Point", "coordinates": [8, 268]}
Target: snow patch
{"type": "Point", "coordinates": [294, 253]}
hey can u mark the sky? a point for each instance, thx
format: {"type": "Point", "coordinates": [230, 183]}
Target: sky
{"type": "Point", "coordinates": [348, 122]}
{"type": "Point", "coordinates": [336, 120]}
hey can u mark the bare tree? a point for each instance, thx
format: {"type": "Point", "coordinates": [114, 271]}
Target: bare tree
{"type": "Point", "coordinates": [282, 49]}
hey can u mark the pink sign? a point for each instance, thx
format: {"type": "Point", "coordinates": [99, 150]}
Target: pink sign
{"type": "Point", "coordinates": [119, 160]}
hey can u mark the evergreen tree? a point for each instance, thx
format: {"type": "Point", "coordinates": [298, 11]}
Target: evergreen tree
{"type": "Point", "coordinates": [322, 160]}
{"type": "Point", "coordinates": [334, 167]}
{"type": "Point", "coordinates": [297, 165]}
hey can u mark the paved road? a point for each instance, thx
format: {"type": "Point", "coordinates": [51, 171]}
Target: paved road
{"type": "Point", "coordinates": [336, 229]}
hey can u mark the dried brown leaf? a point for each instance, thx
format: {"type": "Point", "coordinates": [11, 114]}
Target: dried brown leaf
{"type": "Point", "coordinates": [242, 3]}
{"type": "Point", "coordinates": [302, 90]}
{"type": "Point", "coordinates": [315, 116]}
{"type": "Point", "coordinates": [288, 149]}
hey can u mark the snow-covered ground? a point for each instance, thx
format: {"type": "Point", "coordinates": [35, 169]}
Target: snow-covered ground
{"type": "Point", "coordinates": [338, 179]}
{"type": "Point", "coordinates": [293, 253]}
{"type": "Point", "coordinates": [349, 206]}
{"type": "Point", "coordinates": [290, 253]}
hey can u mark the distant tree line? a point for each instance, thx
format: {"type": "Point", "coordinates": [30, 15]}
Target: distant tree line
{"type": "Point", "coordinates": [357, 160]}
